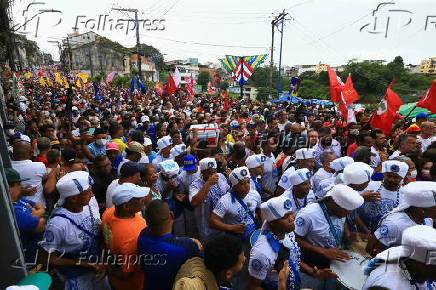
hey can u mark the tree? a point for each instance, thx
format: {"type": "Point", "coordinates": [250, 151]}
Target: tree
{"type": "Point", "coordinates": [224, 85]}
{"type": "Point", "coordinates": [203, 79]}
{"type": "Point", "coordinates": [152, 52]}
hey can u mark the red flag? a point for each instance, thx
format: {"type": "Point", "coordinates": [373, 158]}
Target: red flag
{"type": "Point", "coordinates": [349, 93]}
{"type": "Point", "coordinates": [190, 86]}
{"type": "Point", "coordinates": [384, 116]}
{"type": "Point", "coordinates": [158, 88]}
{"type": "Point", "coordinates": [210, 90]}
{"type": "Point", "coordinates": [428, 101]}
{"type": "Point", "coordinates": [202, 93]}
{"type": "Point", "coordinates": [226, 101]}
{"type": "Point", "coordinates": [171, 85]}
{"type": "Point", "coordinates": [335, 85]}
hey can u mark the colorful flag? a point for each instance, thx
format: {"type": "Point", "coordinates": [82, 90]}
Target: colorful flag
{"type": "Point", "coordinates": [336, 85]}
{"type": "Point", "coordinates": [177, 77]}
{"type": "Point", "coordinates": [110, 77]}
{"type": "Point", "coordinates": [171, 85]}
{"type": "Point", "coordinates": [78, 83]}
{"type": "Point", "coordinates": [141, 86]}
{"type": "Point", "coordinates": [97, 94]}
{"type": "Point", "coordinates": [49, 82]}
{"type": "Point", "coordinates": [226, 101]}
{"type": "Point", "coordinates": [42, 81]}
{"type": "Point", "coordinates": [67, 85]}
{"type": "Point", "coordinates": [190, 86]}
{"type": "Point", "coordinates": [428, 101]}
{"type": "Point", "coordinates": [217, 81]}
{"type": "Point", "coordinates": [28, 75]}
{"type": "Point", "coordinates": [349, 93]}
{"type": "Point", "coordinates": [83, 77]}
{"type": "Point", "coordinates": [158, 88]}
{"type": "Point", "coordinates": [295, 86]}
{"type": "Point", "coordinates": [243, 72]}
{"type": "Point", "coordinates": [58, 78]}
{"type": "Point", "coordinates": [210, 90]}
{"type": "Point", "coordinates": [388, 107]}
{"type": "Point", "coordinates": [132, 85]}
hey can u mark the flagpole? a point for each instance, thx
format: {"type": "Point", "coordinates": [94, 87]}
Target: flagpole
{"type": "Point", "coordinates": [241, 82]}
{"type": "Point", "coordinates": [408, 114]}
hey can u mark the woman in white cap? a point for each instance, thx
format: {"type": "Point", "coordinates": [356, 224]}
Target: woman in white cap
{"type": "Point", "coordinates": [205, 192]}
{"type": "Point", "coordinates": [300, 193]}
{"type": "Point", "coordinates": [255, 166]}
{"type": "Point", "coordinates": [418, 207]}
{"type": "Point", "coordinates": [409, 266]}
{"type": "Point", "coordinates": [338, 165]}
{"type": "Point", "coordinates": [164, 145]}
{"type": "Point", "coordinates": [71, 239]}
{"type": "Point", "coordinates": [390, 191]}
{"type": "Point", "coordinates": [319, 229]}
{"type": "Point", "coordinates": [236, 213]}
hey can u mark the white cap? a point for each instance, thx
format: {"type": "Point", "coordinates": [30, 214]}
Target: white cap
{"type": "Point", "coordinates": [420, 194]}
{"type": "Point", "coordinates": [72, 184]}
{"type": "Point", "coordinates": [207, 163]}
{"type": "Point", "coordinates": [287, 162]}
{"type": "Point", "coordinates": [147, 142]}
{"type": "Point", "coordinates": [357, 173]}
{"type": "Point", "coordinates": [239, 174]}
{"type": "Point", "coordinates": [345, 197]}
{"type": "Point", "coordinates": [276, 208]}
{"type": "Point", "coordinates": [145, 119]}
{"type": "Point", "coordinates": [164, 142]}
{"type": "Point", "coordinates": [304, 153]}
{"type": "Point", "coordinates": [395, 166]}
{"type": "Point", "coordinates": [300, 176]}
{"type": "Point", "coordinates": [254, 161]}
{"type": "Point", "coordinates": [169, 168]}
{"type": "Point", "coordinates": [126, 191]}
{"type": "Point", "coordinates": [340, 163]}
{"type": "Point", "coordinates": [177, 150]}
{"type": "Point", "coordinates": [417, 243]}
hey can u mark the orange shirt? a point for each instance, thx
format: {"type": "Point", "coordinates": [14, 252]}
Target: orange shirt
{"type": "Point", "coordinates": [121, 237]}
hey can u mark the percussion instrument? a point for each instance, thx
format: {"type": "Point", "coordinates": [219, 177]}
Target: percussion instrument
{"type": "Point", "coordinates": [351, 273]}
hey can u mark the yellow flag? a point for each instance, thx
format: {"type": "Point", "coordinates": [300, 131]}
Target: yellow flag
{"type": "Point", "coordinates": [78, 84]}
{"type": "Point", "coordinates": [28, 75]}
{"type": "Point", "coordinates": [83, 77]}
{"type": "Point", "coordinates": [42, 81]}
{"type": "Point", "coordinates": [49, 82]}
{"type": "Point", "coordinates": [66, 83]}
{"type": "Point", "coordinates": [58, 78]}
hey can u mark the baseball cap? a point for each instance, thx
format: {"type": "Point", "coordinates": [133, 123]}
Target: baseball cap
{"type": "Point", "coordinates": [72, 184]}
{"type": "Point", "coordinates": [136, 147]}
{"type": "Point", "coordinates": [126, 191]}
{"type": "Point", "coordinates": [275, 208]}
{"type": "Point", "coordinates": [234, 124]}
{"type": "Point", "coordinates": [112, 146]}
{"type": "Point", "coordinates": [238, 174]}
{"type": "Point", "coordinates": [398, 167]}
{"type": "Point", "coordinates": [128, 169]}
{"type": "Point", "coordinates": [421, 116]}
{"type": "Point", "coordinates": [13, 176]}
{"type": "Point", "coordinates": [189, 162]}
{"type": "Point", "coordinates": [345, 197]}
{"type": "Point", "coordinates": [145, 119]}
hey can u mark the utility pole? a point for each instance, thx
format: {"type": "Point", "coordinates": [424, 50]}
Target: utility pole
{"type": "Point", "coordinates": [274, 23]}
{"type": "Point", "coordinates": [137, 34]}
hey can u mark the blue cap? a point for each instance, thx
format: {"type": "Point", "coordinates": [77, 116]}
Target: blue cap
{"type": "Point", "coordinates": [189, 162]}
{"type": "Point", "coordinates": [421, 116]}
{"type": "Point", "coordinates": [128, 169]}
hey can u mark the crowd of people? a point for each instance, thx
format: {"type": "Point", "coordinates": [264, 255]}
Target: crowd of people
{"type": "Point", "coordinates": [149, 191]}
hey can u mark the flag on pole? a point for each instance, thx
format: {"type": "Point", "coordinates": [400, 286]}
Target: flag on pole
{"type": "Point", "coordinates": [97, 94]}
{"type": "Point", "coordinates": [243, 72]}
{"type": "Point", "coordinates": [171, 85]}
{"type": "Point", "coordinates": [349, 93]}
{"type": "Point", "coordinates": [226, 101]}
{"type": "Point", "coordinates": [42, 81]}
{"type": "Point", "coordinates": [110, 77]}
{"type": "Point", "coordinates": [78, 83]}
{"type": "Point", "coordinates": [58, 78]}
{"type": "Point", "coordinates": [132, 85]}
{"type": "Point", "coordinates": [83, 77]}
{"type": "Point", "coordinates": [158, 88]}
{"type": "Point", "coordinates": [336, 85]}
{"type": "Point", "coordinates": [190, 86]}
{"type": "Point", "coordinates": [141, 86]}
{"type": "Point", "coordinates": [67, 85]}
{"type": "Point", "coordinates": [177, 77]}
{"type": "Point", "coordinates": [295, 86]}
{"type": "Point", "coordinates": [388, 107]}
{"type": "Point", "coordinates": [428, 101]}
{"type": "Point", "coordinates": [28, 75]}
{"type": "Point", "coordinates": [210, 90]}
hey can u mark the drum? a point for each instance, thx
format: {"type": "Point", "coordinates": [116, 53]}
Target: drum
{"type": "Point", "coordinates": [351, 273]}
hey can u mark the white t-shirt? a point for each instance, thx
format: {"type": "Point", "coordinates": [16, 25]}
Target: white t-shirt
{"type": "Point", "coordinates": [311, 224]}
{"type": "Point", "coordinates": [184, 180]}
{"type": "Point", "coordinates": [424, 143]}
{"type": "Point", "coordinates": [37, 173]}
{"type": "Point", "coordinates": [320, 175]}
{"type": "Point", "coordinates": [285, 181]}
{"type": "Point", "coordinates": [299, 203]}
{"type": "Point", "coordinates": [389, 276]}
{"type": "Point", "coordinates": [158, 159]}
{"type": "Point", "coordinates": [263, 257]}
{"type": "Point", "coordinates": [282, 126]}
{"type": "Point", "coordinates": [270, 175]}
{"type": "Point", "coordinates": [202, 212]}
{"type": "Point", "coordinates": [232, 212]}
{"type": "Point", "coordinates": [375, 160]}
{"type": "Point", "coordinates": [109, 192]}
{"type": "Point", "coordinates": [395, 154]}
{"type": "Point", "coordinates": [161, 185]}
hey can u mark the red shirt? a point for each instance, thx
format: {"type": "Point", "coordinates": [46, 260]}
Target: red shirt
{"type": "Point", "coordinates": [351, 149]}
{"type": "Point", "coordinates": [42, 159]}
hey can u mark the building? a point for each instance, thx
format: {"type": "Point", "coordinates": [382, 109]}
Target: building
{"type": "Point", "coordinates": [428, 66]}
{"type": "Point", "coordinates": [148, 67]}
{"type": "Point", "coordinates": [93, 54]}
{"type": "Point", "coordinates": [186, 68]}
{"type": "Point", "coordinates": [28, 55]}
{"type": "Point", "coordinates": [412, 68]}
{"type": "Point", "coordinates": [248, 91]}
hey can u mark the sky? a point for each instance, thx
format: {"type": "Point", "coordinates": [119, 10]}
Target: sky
{"type": "Point", "coordinates": [327, 31]}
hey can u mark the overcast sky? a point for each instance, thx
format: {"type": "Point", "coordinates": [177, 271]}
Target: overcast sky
{"type": "Point", "coordinates": [331, 32]}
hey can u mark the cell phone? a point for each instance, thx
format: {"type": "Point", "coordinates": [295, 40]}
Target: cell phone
{"type": "Point", "coordinates": [282, 256]}
{"type": "Point", "coordinates": [91, 131]}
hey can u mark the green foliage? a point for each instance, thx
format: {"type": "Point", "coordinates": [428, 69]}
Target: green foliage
{"type": "Point", "coordinates": [224, 85]}
{"type": "Point", "coordinates": [134, 70]}
{"type": "Point", "coordinates": [154, 53]}
{"type": "Point", "coordinates": [98, 78]}
{"type": "Point", "coordinates": [114, 45]}
{"type": "Point", "coordinates": [122, 81]}
{"type": "Point", "coordinates": [203, 79]}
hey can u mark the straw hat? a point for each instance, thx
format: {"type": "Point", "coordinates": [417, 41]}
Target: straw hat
{"type": "Point", "coordinates": [193, 275]}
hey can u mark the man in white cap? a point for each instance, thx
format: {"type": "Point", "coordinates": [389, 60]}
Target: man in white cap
{"type": "Point", "coordinates": [390, 193]}
{"type": "Point", "coordinates": [164, 145]}
{"type": "Point", "coordinates": [121, 226]}
{"type": "Point", "coordinates": [319, 229]}
{"type": "Point", "coordinates": [236, 213]}
{"type": "Point", "coordinates": [72, 235]}
{"type": "Point", "coordinates": [305, 158]}
{"type": "Point", "coordinates": [178, 152]}
{"type": "Point", "coordinates": [255, 165]}
{"type": "Point", "coordinates": [300, 194]}
{"type": "Point", "coordinates": [325, 172]}
{"type": "Point", "coordinates": [204, 194]}
{"type": "Point", "coordinates": [418, 207]}
{"type": "Point", "coordinates": [270, 173]}
{"type": "Point", "coordinates": [409, 266]}
{"type": "Point", "coordinates": [276, 245]}
{"type": "Point", "coordinates": [338, 166]}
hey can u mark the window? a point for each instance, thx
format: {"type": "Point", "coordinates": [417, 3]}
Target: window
{"type": "Point", "coordinates": [77, 59]}
{"type": "Point", "coordinates": [101, 60]}
{"type": "Point", "coordinates": [88, 61]}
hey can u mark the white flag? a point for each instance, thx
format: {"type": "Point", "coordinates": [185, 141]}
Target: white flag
{"type": "Point", "coordinates": [177, 77]}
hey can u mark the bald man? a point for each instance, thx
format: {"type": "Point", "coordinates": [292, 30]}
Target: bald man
{"type": "Point", "coordinates": [427, 131]}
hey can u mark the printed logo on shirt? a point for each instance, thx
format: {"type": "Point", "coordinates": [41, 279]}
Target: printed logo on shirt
{"type": "Point", "coordinates": [256, 265]}
{"type": "Point", "coordinates": [49, 236]}
{"type": "Point", "coordinates": [284, 179]}
{"type": "Point", "coordinates": [288, 205]}
{"type": "Point", "coordinates": [384, 230]}
{"type": "Point", "coordinates": [300, 222]}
